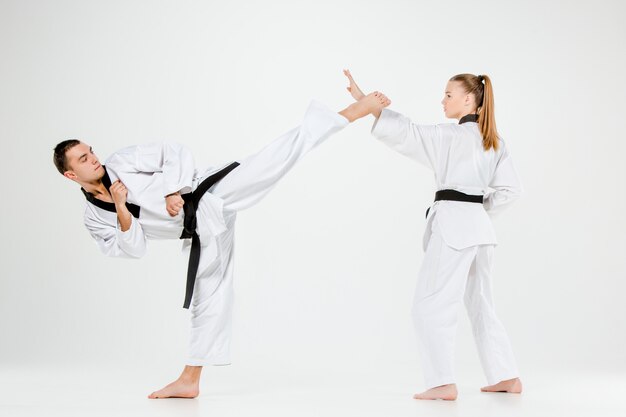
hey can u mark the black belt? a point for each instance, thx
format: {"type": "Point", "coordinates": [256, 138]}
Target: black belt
{"type": "Point", "coordinates": [190, 207]}
{"type": "Point", "coordinates": [454, 195]}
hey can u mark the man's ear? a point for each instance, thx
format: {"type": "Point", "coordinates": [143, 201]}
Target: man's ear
{"type": "Point", "coordinates": [70, 175]}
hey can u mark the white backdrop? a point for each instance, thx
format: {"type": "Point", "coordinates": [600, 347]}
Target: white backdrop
{"type": "Point", "coordinates": [327, 263]}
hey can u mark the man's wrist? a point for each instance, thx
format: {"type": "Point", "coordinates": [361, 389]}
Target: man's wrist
{"type": "Point", "coordinates": [121, 207]}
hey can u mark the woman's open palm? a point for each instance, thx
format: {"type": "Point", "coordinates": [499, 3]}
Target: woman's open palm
{"type": "Point", "coordinates": [354, 89]}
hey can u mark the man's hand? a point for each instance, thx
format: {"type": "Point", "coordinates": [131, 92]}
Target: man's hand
{"type": "Point", "coordinates": [173, 203]}
{"type": "Point", "coordinates": [118, 193]}
{"type": "Point", "coordinates": [354, 89]}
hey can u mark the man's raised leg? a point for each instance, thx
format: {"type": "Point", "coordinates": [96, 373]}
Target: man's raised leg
{"type": "Point", "coordinates": [259, 173]}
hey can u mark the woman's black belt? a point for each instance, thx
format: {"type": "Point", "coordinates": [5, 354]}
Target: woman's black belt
{"type": "Point", "coordinates": [454, 195]}
{"type": "Point", "coordinates": [192, 200]}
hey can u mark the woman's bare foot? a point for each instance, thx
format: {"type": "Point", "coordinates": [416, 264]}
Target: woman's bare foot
{"type": "Point", "coordinates": [444, 392]}
{"type": "Point", "coordinates": [513, 386]}
{"type": "Point", "coordinates": [186, 386]}
{"type": "Point", "coordinates": [354, 89]}
{"type": "Point", "coordinates": [177, 389]}
{"type": "Point", "coordinates": [372, 103]}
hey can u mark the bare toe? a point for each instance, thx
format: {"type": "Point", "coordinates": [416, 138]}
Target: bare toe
{"type": "Point", "coordinates": [444, 392]}
{"type": "Point", "coordinates": [512, 386]}
{"type": "Point", "coordinates": [177, 389]}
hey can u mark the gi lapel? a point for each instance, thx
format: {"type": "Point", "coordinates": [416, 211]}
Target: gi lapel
{"type": "Point", "coordinates": [133, 208]}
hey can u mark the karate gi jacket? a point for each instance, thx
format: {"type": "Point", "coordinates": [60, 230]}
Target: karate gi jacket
{"type": "Point", "coordinates": [456, 155]}
{"type": "Point", "coordinates": [150, 172]}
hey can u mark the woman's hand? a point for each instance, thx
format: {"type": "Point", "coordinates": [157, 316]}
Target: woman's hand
{"type": "Point", "coordinates": [354, 89]}
{"type": "Point", "coordinates": [173, 203]}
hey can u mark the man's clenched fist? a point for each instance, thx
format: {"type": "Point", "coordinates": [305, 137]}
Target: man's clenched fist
{"type": "Point", "coordinates": [173, 203]}
{"type": "Point", "coordinates": [118, 193]}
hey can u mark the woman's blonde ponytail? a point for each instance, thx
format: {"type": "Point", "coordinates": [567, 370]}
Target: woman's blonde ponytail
{"type": "Point", "coordinates": [480, 86]}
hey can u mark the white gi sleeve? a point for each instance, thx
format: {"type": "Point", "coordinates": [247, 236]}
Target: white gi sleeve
{"type": "Point", "coordinates": [418, 142]}
{"type": "Point", "coordinates": [505, 183]}
{"type": "Point", "coordinates": [113, 242]}
{"type": "Point", "coordinates": [174, 160]}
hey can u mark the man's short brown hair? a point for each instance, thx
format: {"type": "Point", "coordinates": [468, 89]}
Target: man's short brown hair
{"type": "Point", "coordinates": [59, 159]}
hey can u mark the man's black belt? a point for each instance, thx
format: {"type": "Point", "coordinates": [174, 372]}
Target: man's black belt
{"type": "Point", "coordinates": [454, 195]}
{"type": "Point", "coordinates": [192, 200]}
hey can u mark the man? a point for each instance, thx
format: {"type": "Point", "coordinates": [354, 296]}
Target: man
{"type": "Point", "coordinates": [154, 192]}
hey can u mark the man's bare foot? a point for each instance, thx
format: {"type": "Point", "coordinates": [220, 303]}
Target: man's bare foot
{"type": "Point", "coordinates": [186, 386]}
{"type": "Point", "coordinates": [372, 103]}
{"type": "Point", "coordinates": [513, 386]}
{"type": "Point", "coordinates": [354, 89]}
{"type": "Point", "coordinates": [443, 392]}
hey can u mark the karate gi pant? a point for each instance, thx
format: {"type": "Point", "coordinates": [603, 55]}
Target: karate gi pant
{"type": "Point", "coordinates": [448, 277]}
{"type": "Point", "coordinates": [212, 303]}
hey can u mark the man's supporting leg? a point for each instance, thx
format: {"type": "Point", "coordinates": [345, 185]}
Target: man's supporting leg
{"type": "Point", "coordinates": [211, 310]}
{"type": "Point", "coordinates": [186, 386]}
{"type": "Point", "coordinates": [212, 306]}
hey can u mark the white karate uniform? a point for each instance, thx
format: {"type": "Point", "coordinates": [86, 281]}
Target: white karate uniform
{"type": "Point", "coordinates": [459, 242]}
{"type": "Point", "coordinates": [150, 172]}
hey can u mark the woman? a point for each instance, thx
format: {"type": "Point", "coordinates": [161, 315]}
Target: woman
{"type": "Point", "coordinates": [468, 159]}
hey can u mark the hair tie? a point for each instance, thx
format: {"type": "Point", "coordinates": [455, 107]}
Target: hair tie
{"type": "Point", "coordinates": [481, 78]}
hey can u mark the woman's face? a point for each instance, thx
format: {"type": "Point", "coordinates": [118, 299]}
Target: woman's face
{"type": "Point", "coordinates": [456, 102]}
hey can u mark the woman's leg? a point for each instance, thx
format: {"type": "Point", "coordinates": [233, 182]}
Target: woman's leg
{"type": "Point", "coordinates": [438, 297]}
{"type": "Point", "coordinates": [494, 348]}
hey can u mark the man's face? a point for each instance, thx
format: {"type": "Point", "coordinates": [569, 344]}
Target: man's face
{"type": "Point", "coordinates": [83, 164]}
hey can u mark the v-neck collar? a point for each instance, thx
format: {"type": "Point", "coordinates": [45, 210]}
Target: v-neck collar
{"type": "Point", "coordinates": [469, 118]}
{"type": "Point", "coordinates": [106, 180]}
